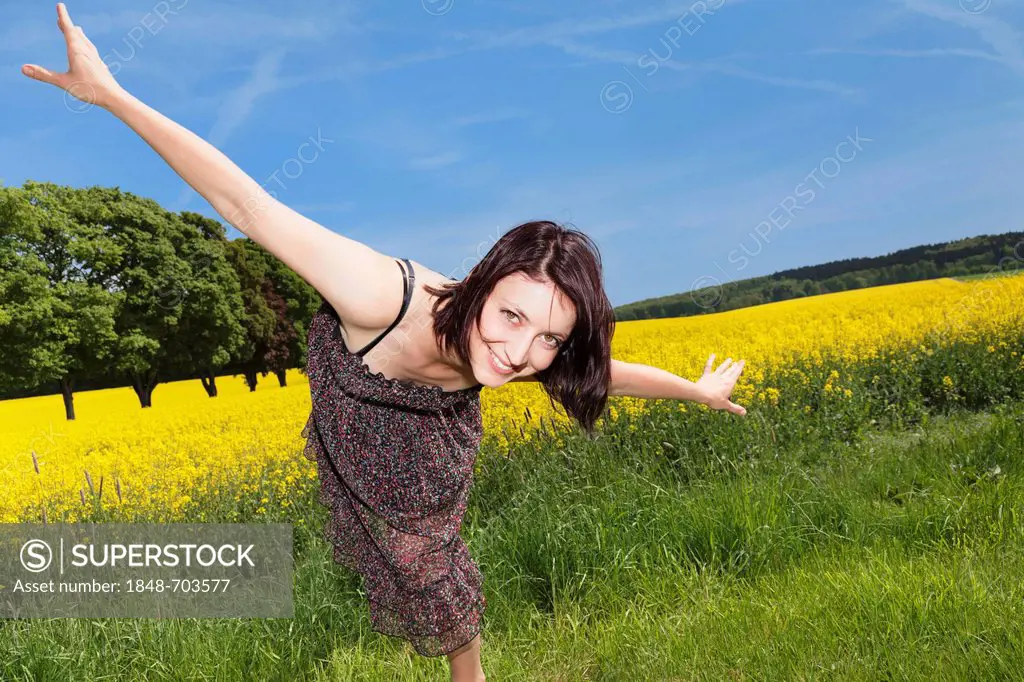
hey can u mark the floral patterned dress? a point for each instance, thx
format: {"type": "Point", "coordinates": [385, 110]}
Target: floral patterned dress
{"type": "Point", "coordinates": [395, 464]}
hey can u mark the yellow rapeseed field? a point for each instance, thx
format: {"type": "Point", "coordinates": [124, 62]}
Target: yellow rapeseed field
{"type": "Point", "coordinates": [157, 463]}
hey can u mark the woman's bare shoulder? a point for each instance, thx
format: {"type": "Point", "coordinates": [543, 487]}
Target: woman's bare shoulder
{"type": "Point", "coordinates": [429, 276]}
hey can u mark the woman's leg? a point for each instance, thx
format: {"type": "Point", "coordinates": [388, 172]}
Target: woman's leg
{"type": "Point", "coordinates": [465, 662]}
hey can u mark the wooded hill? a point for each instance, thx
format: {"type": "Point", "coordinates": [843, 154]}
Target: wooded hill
{"type": "Point", "coordinates": [963, 257]}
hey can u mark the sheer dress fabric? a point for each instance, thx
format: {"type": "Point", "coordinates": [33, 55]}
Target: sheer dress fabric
{"type": "Point", "coordinates": [395, 465]}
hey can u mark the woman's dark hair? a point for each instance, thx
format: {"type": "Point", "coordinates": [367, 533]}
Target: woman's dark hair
{"type": "Point", "coordinates": [545, 251]}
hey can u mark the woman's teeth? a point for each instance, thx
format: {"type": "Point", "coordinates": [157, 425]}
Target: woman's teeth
{"type": "Point", "coordinates": [501, 367]}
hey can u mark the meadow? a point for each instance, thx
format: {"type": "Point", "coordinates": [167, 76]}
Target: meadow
{"type": "Point", "coordinates": [862, 522]}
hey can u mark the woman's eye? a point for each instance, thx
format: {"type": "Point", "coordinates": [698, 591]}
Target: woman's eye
{"type": "Point", "coordinates": [554, 342]}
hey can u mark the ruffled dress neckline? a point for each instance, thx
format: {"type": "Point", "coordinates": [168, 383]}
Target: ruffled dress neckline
{"type": "Point", "coordinates": [407, 384]}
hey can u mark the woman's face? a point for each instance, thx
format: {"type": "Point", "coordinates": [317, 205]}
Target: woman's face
{"type": "Point", "coordinates": [522, 327]}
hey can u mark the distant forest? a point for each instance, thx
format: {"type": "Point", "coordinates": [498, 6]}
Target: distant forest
{"type": "Point", "coordinates": [963, 257]}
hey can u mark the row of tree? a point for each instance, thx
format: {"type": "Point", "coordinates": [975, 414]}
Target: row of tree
{"type": "Point", "coordinates": [972, 256]}
{"type": "Point", "coordinates": [100, 287]}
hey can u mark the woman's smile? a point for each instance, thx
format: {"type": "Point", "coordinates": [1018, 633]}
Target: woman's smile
{"type": "Point", "coordinates": [497, 365]}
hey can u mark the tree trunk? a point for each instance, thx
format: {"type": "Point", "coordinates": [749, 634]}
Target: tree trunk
{"type": "Point", "coordinates": [209, 380]}
{"type": "Point", "coordinates": [144, 384]}
{"type": "Point", "coordinates": [69, 396]}
{"type": "Point", "coordinates": [281, 377]}
{"type": "Point", "coordinates": [250, 379]}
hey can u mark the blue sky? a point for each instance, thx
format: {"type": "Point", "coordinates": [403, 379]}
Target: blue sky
{"type": "Point", "coordinates": [695, 142]}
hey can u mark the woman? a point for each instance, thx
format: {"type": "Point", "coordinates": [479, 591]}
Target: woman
{"type": "Point", "coordinates": [395, 452]}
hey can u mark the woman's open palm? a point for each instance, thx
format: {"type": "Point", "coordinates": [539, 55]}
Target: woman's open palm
{"type": "Point", "coordinates": [87, 78]}
{"type": "Point", "coordinates": [719, 384]}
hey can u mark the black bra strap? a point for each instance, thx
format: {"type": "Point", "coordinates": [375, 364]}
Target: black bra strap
{"type": "Point", "coordinates": [408, 286]}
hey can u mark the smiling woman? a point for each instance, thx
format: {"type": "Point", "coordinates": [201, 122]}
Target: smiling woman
{"type": "Point", "coordinates": [395, 454]}
{"type": "Point", "coordinates": [534, 306]}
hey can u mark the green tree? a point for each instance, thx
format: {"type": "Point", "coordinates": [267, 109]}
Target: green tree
{"type": "Point", "coordinates": [177, 315]}
{"type": "Point", "coordinates": [259, 319]}
{"type": "Point", "coordinates": [211, 327]}
{"type": "Point", "coordinates": [281, 304]}
{"type": "Point", "coordinates": [58, 309]}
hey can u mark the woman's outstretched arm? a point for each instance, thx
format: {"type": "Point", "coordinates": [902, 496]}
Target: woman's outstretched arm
{"type": "Point", "coordinates": [713, 389]}
{"type": "Point", "coordinates": [362, 285]}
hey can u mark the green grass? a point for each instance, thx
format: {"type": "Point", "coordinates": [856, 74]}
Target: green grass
{"type": "Point", "coordinates": [682, 549]}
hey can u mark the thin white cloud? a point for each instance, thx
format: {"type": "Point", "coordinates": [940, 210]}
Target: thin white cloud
{"type": "Point", "coordinates": [935, 52]}
{"type": "Point", "coordinates": [463, 42]}
{"type": "Point", "coordinates": [436, 161]}
{"type": "Point", "coordinates": [629, 59]}
{"type": "Point", "coordinates": [782, 81]}
{"type": "Point", "coordinates": [428, 143]}
{"type": "Point", "coordinates": [565, 29]}
{"type": "Point", "coordinates": [336, 207]}
{"type": "Point", "coordinates": [1003, 38]}
{"type": "Point", "coordinates": [238, 105]}
{"type": "Point", "coordinates": [218, 26]}
{"type": "Point", "coordinates": [355, 67]}
{"type": "Point", "coordinates": [668, 206]}
{"type": "Point", "coordinates": [171, 47]}
{"type": "Point", "coordinates": [486, 117]}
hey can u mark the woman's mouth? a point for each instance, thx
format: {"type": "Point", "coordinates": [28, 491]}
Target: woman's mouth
{"type": "Point", "coordinates": [497, 365]}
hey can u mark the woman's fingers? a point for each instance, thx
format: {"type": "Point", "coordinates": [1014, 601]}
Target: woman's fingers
{"type": "Point", "coordinates": [74, 35]}
{"type": "Point", "coordinates": [44, 75]}
{"type": "Point", "coordinates": [63, 18]}
{"type": "Point", "coordinates": [707, 365]}
{"type": "Point", "coordinates": [39, 73]}
{"type": "Point", "coordinates": [87, 77]}
{"type": "Point", "coordinates": [84, 38]}
{"type": "Point", "coordinates": [68, 29]}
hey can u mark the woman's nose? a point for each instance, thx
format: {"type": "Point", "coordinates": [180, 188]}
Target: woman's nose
{"type": "Point", "coordinates": [518, 351]}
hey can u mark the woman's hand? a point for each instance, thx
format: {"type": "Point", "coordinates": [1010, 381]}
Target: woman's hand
{"type": "Point", "coordinates": [717, 385]}
{"type": "Point", "coordinates": [87, 77]}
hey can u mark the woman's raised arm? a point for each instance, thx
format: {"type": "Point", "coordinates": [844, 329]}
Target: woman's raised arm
{"type": "Point", "coordinates": [358, 281]}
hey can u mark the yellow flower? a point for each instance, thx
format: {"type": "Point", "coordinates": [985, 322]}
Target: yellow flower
{"type": "Point", "coordinates": [247, 443]}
